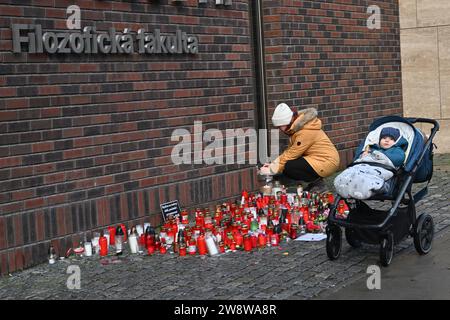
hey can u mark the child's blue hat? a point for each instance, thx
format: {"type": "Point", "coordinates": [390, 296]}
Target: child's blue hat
{"type": "Point", "coordinates": [390, 132]}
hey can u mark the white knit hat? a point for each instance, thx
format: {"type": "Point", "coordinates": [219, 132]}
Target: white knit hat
{"type": "Point", "coordinates": [282, 115]}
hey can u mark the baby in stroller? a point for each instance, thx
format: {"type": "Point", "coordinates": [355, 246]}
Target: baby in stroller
{"type": "Point", "coordinates": [373, 167]}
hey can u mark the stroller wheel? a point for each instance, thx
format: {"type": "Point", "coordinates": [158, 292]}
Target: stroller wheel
{"type": "Point", "coordinates": [351, 237]}
{"type": "Point", "coordinates": [423, 233]}
{"type": "Point", "coordinates": [334, 242]}
{"type": "Point", "coordinates": [387, 249]}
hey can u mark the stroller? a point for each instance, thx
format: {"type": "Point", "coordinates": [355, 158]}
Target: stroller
{"type": "Point", "coordinates": [365, 224]}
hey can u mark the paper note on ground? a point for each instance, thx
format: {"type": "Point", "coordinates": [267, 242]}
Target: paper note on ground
{"type": "Point", "coordinates": [312, 237]}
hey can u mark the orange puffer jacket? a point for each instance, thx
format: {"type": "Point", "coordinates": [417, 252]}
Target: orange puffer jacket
{"type": "Point", "coordinates": [308, 140]}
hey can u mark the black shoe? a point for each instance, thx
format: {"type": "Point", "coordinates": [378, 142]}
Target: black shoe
{"type": "Point", "coordinates": [286, 181]}
{"type": "Point", "coordinates": [317, 186]}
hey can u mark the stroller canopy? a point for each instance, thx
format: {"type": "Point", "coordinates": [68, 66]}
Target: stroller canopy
{"type": "Point", "coordinates": [407, 130]}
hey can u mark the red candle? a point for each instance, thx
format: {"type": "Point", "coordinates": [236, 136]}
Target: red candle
{"type": "Point", "coordinates": [150, 250]}
{"type": "Point", "coordinates": [238, 238]}
{"type": "Point", "coordinates": [112, 236]}
{"type": "Point", "coordinates": [286, 227]}
{"type": "Point", "coordinates": [200, 220]}
{"type": "Point", "coordinates": [201, 244]}
{"type": "Point", "coordinates": [247, 243]}
{"type": "Point", "coordinates": [125, 233]}
{"type": "Point", "coordinates": [142, 240]}
{"type": "Point", "coordinates": [269, 231]}
{"type": "Point", "coordinates": [283, 198]}
{"type": "Point", "coordinates": [162, 249]}
{"type": "Point", "coordinates": [233, 246]}
{"type": "Point", "coordinates": [192, 247]}
{"type": "Point", "coordinates": [221, 247]}
{"type": "Point", "coordinates": [261, 240]}
{"type": "Point", "coordinates": [182, 251]}
{"type": "Point", "coordinates": [254, 241]}
{"type": "Point", "coordinates": [293, 232]}
{"type": "Point", "coordinates": [275, 239]}
{"type": "Point", "coordinates": [184, 217]}
{"type": "Point", "coordinates": [330, 198]}
{"type": "Point", "coordinates": [103, 243]}
{"type": "Point", "coordinates": [149, 240]}
{"type": "Point", "coordinates": [157, 245]}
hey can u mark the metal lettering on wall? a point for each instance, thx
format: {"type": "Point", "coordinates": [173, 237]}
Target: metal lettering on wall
{"type": "Point", "coordinates": [31, 38]}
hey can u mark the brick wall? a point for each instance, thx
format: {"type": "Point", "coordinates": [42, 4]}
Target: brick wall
{"type": "Point", "coordinates": [85, 140]}
{"type": "Point", "coordinates": [321, 54]}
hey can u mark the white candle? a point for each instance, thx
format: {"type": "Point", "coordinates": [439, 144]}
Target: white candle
{"type": "Point", "coordinates": [88, 249]}
{"type": "Point", "coordinates": [139, 230]}
{"type": "Point", "coordinates": [133, 242]}
{"type": "Point", "coordinates": [211, 245]}
{"type": "Point", "coordinates": [95, 247]}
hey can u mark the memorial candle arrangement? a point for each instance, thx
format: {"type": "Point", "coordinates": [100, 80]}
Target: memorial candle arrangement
{"type": "Point", "coordinates": [254, 222]}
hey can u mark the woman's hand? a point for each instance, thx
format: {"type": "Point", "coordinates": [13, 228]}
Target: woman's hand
{"type": "Point", "coordinates": [265, 171]}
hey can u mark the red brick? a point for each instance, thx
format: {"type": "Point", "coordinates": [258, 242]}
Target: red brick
{"type": "Point", "coordinates": [4, 263]}
{"type": "Point", "coordinates": [20, 259]}
{"type": "Point", "coordinates": [11, 11]}
{"type": "Point", "coordinates": [11, 261]}
{"type": "Point", "coordinates": [44, 168]}
{"type": "Point", "coordinates": [56, 199]}
{"type": "Point", "coordinates": [22, 194]}
{"type": "Point", "coordinates": [51, 112]}
{"type": "Point", "coordinates": [42, 147]}
{"type": "Point", "coordinates": [17, 103]}
{"type": "Point", "coordinates": [11, 207]}
{"type": "Point", "coordinates": [60, 221]}
{"type": "Point", "coordinates": [21, 172]}
{"type": "Point", "coordinates": [2, 233]}
{"type": "Point", "coordinates": [124, 214]}
{"type": "Point", "coordinates": [40, 226]}
{"type": "Point", "coordinates": [35, 203]}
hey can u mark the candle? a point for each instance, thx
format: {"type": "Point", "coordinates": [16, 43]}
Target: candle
{"type": "Point", "coordinates": [150, 250]}
{"type": "Point", "coordinates": [247, 243]}
{"type": "Point", "coordinates": [261, 240]}
{"type": "Point", "coordinates": [163, 250]}
{"type": "Point", "coordinates": [133, 241]}
{"type": "Point", "coordinates": [103, 243]}
{"type": "Point", "coordinates": [275, 239]}
{"type": "Point", "coordinates": [254, 241]}
{"type": "Point", "coordinates": [293, 233]}
{"type": "Point", "coordinates": [88, 249]}
{"type": "Point", "coordinates": [192, 249]}
{"type": "Point", "coordinates": [221, 247]}
{"type": "Point", "coordinates": [112, 236]}
{"type": "Point", "coordinates": [139, 230]}
{"type": "Point", "coordinates": [182, 250]}
{"type": "Point", "coordinates": [211, 245]}
{"type": "Point", "coordinates": [239, 238]}
{"type": "Point", "coordinates": [124, 231]}
{"type": "Point", "coordinates": [119, 240]}
{"type": "Point", "coordinates": [201, 244]}
{"type": "Point", "coordinates": [95, 245]}
{"type": "Point", "coordinates": [184, 217]}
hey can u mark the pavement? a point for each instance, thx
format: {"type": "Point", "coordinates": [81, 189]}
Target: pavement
{"type": "Point", "coordinates": [294, 271]}
{"type": "Point", "coordinates": [410, 276]}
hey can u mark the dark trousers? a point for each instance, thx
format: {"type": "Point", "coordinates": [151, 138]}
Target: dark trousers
{"type": "Point", "coordinates": [299, 169]}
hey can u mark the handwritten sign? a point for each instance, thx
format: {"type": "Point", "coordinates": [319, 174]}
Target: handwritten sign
{"type": "Point", "coordinates": [170, 208]}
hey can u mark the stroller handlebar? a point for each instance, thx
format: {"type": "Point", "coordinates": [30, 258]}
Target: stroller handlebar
{"type": "Point", "coordinates": [425, 120]}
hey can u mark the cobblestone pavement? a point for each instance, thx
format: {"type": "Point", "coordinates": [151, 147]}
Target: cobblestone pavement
{"type": "Point", "coordinates": [296, 270]}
